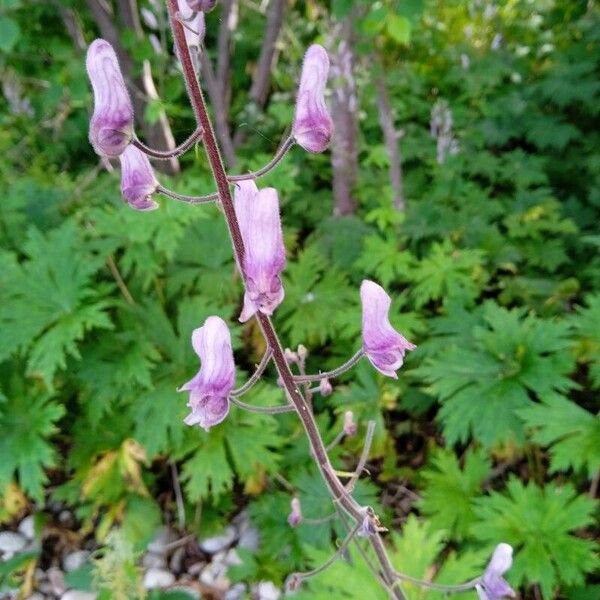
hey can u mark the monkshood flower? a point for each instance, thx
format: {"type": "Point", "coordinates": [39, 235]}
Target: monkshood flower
{"type": "Point", "coordinates": [111, 126]}
{"type": "Point", "coordinates": [350, 427]}
{"type": "Point", "coordinates": [295, 515]}
{"type": "Point", "coordinates": [382, 344]}
{"type": "Point", "coordinates": [210, 387]}
{"type": "Point", "coordinates": [492, 585]}
{"type": "Point", "coordinates": [313, 127]}
{"type": "Point", "coordinates": [264, 257]}
{"type": "Point", "coordinates": [201, 5]}
{"type": "Point", "coordinates": [137, 179]}
{"type": "Point", "coordinates": [194, 21]}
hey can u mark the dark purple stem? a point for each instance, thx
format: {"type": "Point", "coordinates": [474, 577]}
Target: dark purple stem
{"type": "Point", "coordinates": [341, 497]}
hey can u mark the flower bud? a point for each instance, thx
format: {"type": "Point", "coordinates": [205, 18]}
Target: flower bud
{"type": "Point", "coordinates": [492, 585]}
{"type": "Point", "coordinates": [295, 515]}
{"type": "Point", "coordinates": [382, 344]}
{"type": "Point", "coordinates": [302, 352]}
{"type": "Point", "coordinates": [264, 255]}
{"type": "Point", "coordinates": [350, 427]}
{"type": "Point", "coordinates": [313, 127]}
{"type": "Point", "coordinates": [111, 126]}
{"type": "Point", "coordinates": [210, 387]}
{"type": "Point", "coordinates": [290, 356]}
{"type": "Point", "coordinates": [325, 387]}
{"type": "Point", "coordinates": [201, 5]}
{"type": "Point", "coordinates": [137, 179]}
{"type": "Point", "coordinates": [293, 583]}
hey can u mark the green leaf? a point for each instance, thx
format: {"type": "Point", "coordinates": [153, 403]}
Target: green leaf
{"type": "Point", "coordinates": [539, 524]}
{"type": "Point", "coordinates": [384, 259]}
{"type": "Point", "coordinates": [484, 378]}
{"type": "Point", "coordinates": [449, 490]}
{"type": "Point", "coordinates": [398, 28]}
{"type": "Point", "coordinates": [9, 33]}
{"type": "Point", "coordinates": [586, 323]}
{"type": "Point", "coordinates": [572, 433]}
{"type": "Point", "coordinates": [28, 419]}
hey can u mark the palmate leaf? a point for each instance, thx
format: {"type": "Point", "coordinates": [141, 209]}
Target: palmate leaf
{"type": "Point", "coordinates": [483, 379]}
{"type": "Point", "coordinates": [384, 259]}
{"type": "Point", "coordinates": [572, 433]}
{"type": "Point", "coordinates": [448, 274]}
{"type": "Point", "coordinates": [28, 419]}
{"type": "Point", "coordinates": [538, 523]}
{"type": "Point", "coordinates": [316, 297]}
{"type": "Point", "coordinates": [449, 490]}
{"type": "Point", "coordinates": [586, 323]}
{"type": "Point", "coordinates": [48, 302]}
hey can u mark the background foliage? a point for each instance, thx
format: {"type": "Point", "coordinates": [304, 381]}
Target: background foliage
{"type": "Point", "coordinates": [490, 434]}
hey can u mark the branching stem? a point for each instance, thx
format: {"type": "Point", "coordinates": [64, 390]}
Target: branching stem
{"type": "Point", "coordinates": [281, 152]}
{"type": "Point", "coordinates": [166, 155]}
{"type": "Point", "coordinates": [188, 199]}
{"type": "Point", "coordinates": [335, 372]}
{"type": "Point", "coordinates": [336, 488]}
{"type": "Point", "coordinates": [262, 365]}
{"type": "Point", "coordinates": [267, 410]}
{"type": "Point", "coordinates": [363, 457]}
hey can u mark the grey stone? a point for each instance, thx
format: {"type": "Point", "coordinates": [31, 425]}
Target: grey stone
{"type": "Point", "coordinates": [79, 595]}
{"type": "Point", "coordinates": [159, 544]}
{"type": "Point", "coordinates": [66, 518]}
{"type": "Point", "coordinates": [177, 560]}
{"type": "Point", "coordinates": [232, 558]}
{"type": "Point", "coordinates": [56, 579]}
{"type": "Point", "coordinates": [158, 578]}
{"type": "Point", "coordinates": [11, 543]}
{"type": "Point", "coordinates": [74, 560]}
{"type": "Point", "coordinates": [267, 590]}
{"type": "Point", "coordinates": [219, 542]}
{"type": "Point", "coordinates": [152, 560]}
{"type": "Point", "coordinates": [249, 539]}
{"type": "Point", "coordinates": [196, 568]}
{"type": "Point", "coordinates": [235, 592]}
{"type": "Point", "coordinates": [214, 575]}
{"type": "Point", "coordinates": [27, 527]}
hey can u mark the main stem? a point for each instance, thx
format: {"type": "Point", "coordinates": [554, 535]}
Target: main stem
{"type": "Point", "coordinates": [336, 488]}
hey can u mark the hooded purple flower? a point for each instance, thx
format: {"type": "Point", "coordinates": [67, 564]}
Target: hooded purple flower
{"type": "Point", "coordinates": [137, 179]}
{"type": "Point", "coordinates": [264, 256]}
{"type": "Point", "coordinates": [382, 344]}
{"type": "Point", "coordinates": [492, 585]}
{"type": "Point", "coordinates": [195, 23]}
{"type": "Point", "coordinates": [201, 5]}
{"type": "Point", "coordinates": [313, 126]}
{"type": "Point", "coordinates": [210, 387]}
{"type": "Point", "coordinates": [111, 126]}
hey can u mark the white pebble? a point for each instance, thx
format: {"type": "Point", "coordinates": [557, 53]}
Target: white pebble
{"type": "Point", "coordinates": [219, 542]}
{"type": "Point", "coordinates": [158, 578]}
{"type": "Point", "coordinates": [153, 561]}
{"type": "Point", "coordinates": [79, 595]}
{"type": "Point", "coordinates": [27, 527]}
{"type": "Point", "coordinates": [74, 560]}
{"type": "Point", "coordinates": [267, 590]}
{"type": "Point", "coordinates": [235, 592]}
{"type": "Point", "coordinates": [164, 537]}
{"type": "Point", "coordinates": [11, 542]}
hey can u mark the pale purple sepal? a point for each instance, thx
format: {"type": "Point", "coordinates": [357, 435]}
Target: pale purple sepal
{"type": "Point", "coordinates": [295, 515]}
{"type": "Point", "coordinates": [111, 126]}
{"type": "Point", "coordinates": [350, 427]}
{"type": "Point", "coordinates": [201, 5]}
{"type": "Point", "coordinates": [210, 387]}
{"type": "Point", "coordinates": [257, 212]}
{"type": "Point", "coordinates": [492, 585]}
{"type": "Point", "coordinates": [195, 26]}
{"type": "Point", "coordinates": [382, 344]}
{"type": "Point", "coordinates": [313, 126]}
{"type": "Point", "coordinates": [137, 179]}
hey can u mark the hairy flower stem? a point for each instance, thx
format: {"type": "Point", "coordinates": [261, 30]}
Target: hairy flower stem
{"type": "Point", "coordinates": [333, 373]}
{"type": "Point", "coordinates": [349, 504]}
{"type": "Point", "coordinates": [283, 150]}
{"type": "Point", "coordinates": [168, 154]}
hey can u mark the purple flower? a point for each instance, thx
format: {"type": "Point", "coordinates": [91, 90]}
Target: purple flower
{"type": "Point", "coordinates": [382, 344]}
{"type": "Point", "coordinates": [111, 126]}
{"type": "Point", "coordinates": [201, 5]}
{"type": "Point", "coordinates": [210, 387]}
{"type": "Point", "coordinates": [313, 126]}
{"type": "Point", "coordinates": [295, 515]}
{"type": "Point", "coordinates": [492, 585]}
{"type": "Point", "coordinates": [137, 179]}
{"type": "Point", "coordinates": [195, 24]}
{"type": "Point", "coordinates": [264, 256]}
